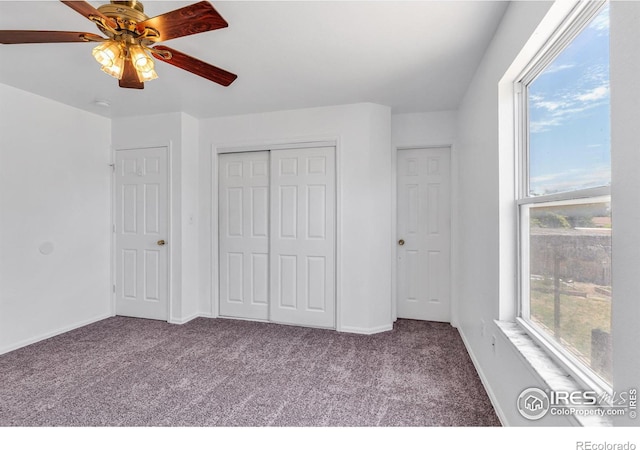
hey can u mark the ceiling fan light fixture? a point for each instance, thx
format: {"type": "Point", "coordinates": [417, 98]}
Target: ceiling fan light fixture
{"type": "Point", "coordinates": [107, 53]}
{"type": "Point", "coordinates": [147, 76]}
{"type": "Point", "coordinates": [141, 59]}
{"type": "Point", "coordinates": [116, 69]}
{"type": "Point", "coordinates": [128, 51]}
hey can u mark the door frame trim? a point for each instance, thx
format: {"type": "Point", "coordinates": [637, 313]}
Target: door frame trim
{"type": "Point", "coordinates": [394, 226]}
{"type": "Point", "coordinates": [281, 146]}
{"type": "Point", "coordinates": [312, 141]}
{"type": "Point", "coordinates": [171, 248]}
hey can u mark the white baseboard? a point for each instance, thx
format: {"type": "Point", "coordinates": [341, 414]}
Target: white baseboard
{"type": "Point", "coordinates": [184, 320]}
{"type": "Point", "coordinates": [42, 337]}
{"type": "Point", "coordinates": [483, 379]}
{"type": "Point", "coordinates": [361, 330]}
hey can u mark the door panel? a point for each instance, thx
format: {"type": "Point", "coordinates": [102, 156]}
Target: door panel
{"type": "Point", "coordinates": [244, 234]}
{"type": "Point", "coordinates": [260, 278]}
{"type": "Point", "coordinates": [287, 285]}
{"type": "Point", "coordinates": [302, 248]}
{"type": "Point", "coordinates": [424, 226]}
{"type": "Point", "coordinates": [141, 186]}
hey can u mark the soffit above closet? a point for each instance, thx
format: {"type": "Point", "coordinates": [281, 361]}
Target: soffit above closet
{"type": "Point", "coordinates": [413, 56]}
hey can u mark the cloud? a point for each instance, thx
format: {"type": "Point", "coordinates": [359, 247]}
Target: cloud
{"type": "Point", "coordinates": [540, 126]}
{"type": "Point", "coordinates": [596, 93]}
{"type": "Point", "coordinates": [596, 74]}
{"type": "Point", "coordinates": [601, 21]}
{"type": "Point", "coordinates": [564, 106]}
{"type": "Point", "coordinates": [557, 68]}
{"type": "Point", "coordinates": [571, 179]}
{"type": "Point", "coordinates": [549, 105]}
{"type": "Point", "coordinates": [577, 109]}
{"type": "Point", "coordinates": [558, 112]}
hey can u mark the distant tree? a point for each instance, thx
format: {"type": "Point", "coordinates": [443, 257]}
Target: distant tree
{"type": "Point", "coordinates": [548, 219]}
{"type": "Point", "coordinates": [580, 221]}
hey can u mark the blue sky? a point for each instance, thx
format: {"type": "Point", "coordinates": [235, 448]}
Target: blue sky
{"type": "Point", "coordinates": [569, 116]}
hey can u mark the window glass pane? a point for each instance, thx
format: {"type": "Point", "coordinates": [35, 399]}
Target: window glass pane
{"type": "Point", "coordinates": [569, 116]}
{"type": "Point", "coordinates": [570, 279]}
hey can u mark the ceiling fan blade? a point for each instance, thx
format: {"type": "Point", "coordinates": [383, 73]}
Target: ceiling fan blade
{"type": "Point", "coordinates": [130, 77]}
{"type": "Point", "coordinates": [41, 37]}
{"type": "Point", "coordinates": [193, 65]}
{"type": "Point", "coordinates": [192, 19]}
{"type": "Point", "coordinates": [87, 10]}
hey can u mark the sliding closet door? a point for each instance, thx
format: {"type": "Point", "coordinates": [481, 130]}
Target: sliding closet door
{"type": "Point", "coordinates": [244, 234]}
{"type": "Point", "coordinates": [302, 250]}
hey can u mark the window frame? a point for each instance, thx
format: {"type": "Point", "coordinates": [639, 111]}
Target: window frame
{"type": "Point", "coordinates": [576, 21]}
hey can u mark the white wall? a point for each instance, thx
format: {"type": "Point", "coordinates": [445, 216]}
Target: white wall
{"type": "Point", "coordinates": [54, 188]}
{"type": "Point", "coordinates": [625, 187]}
{"type": "Point", "coordinates": [365, 241]}
{"type": "Point", "coordinates": [190, 147]}
{"type": "Point", "coordinates": [486, 231]}
{"type": "Point", "coordinates": [178, 132]}
{"type": "Point", "coordinates": [418, 129]}
{"type": "Point", "coordinates": [502, 369]}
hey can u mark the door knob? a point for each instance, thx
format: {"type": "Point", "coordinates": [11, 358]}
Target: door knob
{"type": "Point", "coordinates": [161, 242]}
{"type": "Point", "coordinates": [401, 242]}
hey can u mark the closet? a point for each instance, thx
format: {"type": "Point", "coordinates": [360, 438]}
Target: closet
{"type": "Point", "coordinates": [276, 235]}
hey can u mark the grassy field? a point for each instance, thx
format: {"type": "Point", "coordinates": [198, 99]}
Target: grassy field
{"type": "Point", "coordinates": [583, 307]}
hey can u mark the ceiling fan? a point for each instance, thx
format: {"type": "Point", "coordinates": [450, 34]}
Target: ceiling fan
{"type": "Point", "coordinates": [126, 51]}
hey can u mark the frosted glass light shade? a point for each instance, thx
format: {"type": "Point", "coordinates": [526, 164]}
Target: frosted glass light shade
{"type": "Point", "coordinates": [141, 60]}
{"type": "Point", "coordinates": [147, 76]}
{"type": "Point", "coordinates": [116, 69]}
{"type": "Point", "coordinates": [107, 53]}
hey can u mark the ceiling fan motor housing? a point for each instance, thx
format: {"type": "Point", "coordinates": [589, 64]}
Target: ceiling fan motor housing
{"type": "Point", "coordinates": [127, 15]}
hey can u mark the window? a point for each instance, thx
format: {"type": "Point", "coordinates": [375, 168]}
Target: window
{"type": "Point", "coordinates": [564, 200]}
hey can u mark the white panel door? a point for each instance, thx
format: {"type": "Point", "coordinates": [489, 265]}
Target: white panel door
{"type": "Point", "coordinates": [141, 228]}
{"type": "Point", "coordinates": [243, 202]}
{"type": "Point", "coordinates": [423, 234]}
{"type": "Point", "coordinates": [302, 250]}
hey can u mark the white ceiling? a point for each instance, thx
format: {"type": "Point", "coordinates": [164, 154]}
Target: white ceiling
{"type": "Point", "coordinates": [411, 55]}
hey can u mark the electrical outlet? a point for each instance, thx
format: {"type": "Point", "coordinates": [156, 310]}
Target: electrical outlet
{"type": "Point", "coordinates": [493, 343]}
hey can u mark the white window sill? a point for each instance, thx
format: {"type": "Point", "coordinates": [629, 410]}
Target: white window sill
{"type": "Point", "coordinates": [553, 376]}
